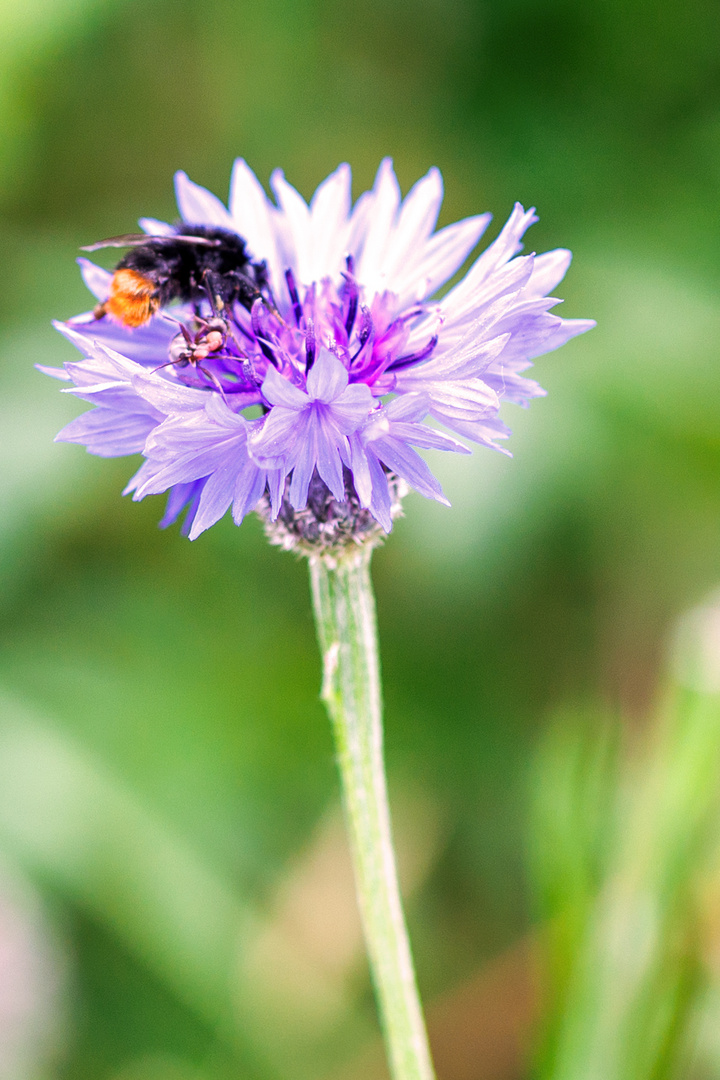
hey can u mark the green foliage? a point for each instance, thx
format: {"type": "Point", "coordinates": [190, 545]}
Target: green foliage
{"type": "Point", "coordinates": [623, 847]}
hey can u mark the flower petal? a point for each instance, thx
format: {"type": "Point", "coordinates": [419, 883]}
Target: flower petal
{"type": "Point", "coordinates": [215, 500]}
{"type": "Point", "coordinates": [416, 220]}
{"type": "Point", "coordinates": [153, 227]}
{"type": "Point", "coordinates": [548, 271]}
{"type": "Point", "coordinates": [297, 220]}
{"type": "Point", "coordinates": [330, 223]}
{"type": "Point", "coordinates": [278, 391]}
{"type": "Point", "coordinates": [328, 461]}
{"type": "Point", "coordinates": [108, 432]}
{"type": "Point", "coordinates": [386, 191]}
{"type": "Point", "coordinates": [303, 468]}
{"type": "Point", "coordinates": [276, 443]}
{"type": "Point", "coordinates": [328, 377]}
{"type": "Point", "coordinates": [96, 279]}
{"type": "Point", "coordinates": [198, 206]}
{"type": "Point", "coordinates": [254, 219]}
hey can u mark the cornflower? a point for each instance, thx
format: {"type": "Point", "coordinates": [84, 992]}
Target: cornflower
{"type": "Point", "coordinates": [300, 383]}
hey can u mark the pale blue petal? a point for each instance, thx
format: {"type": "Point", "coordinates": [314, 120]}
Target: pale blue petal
{"type": "Point", "coordinates": [277, 443]}
{"type": "Point", "coordinates": [328, 377]}
{"type": "Point", "coordinates": [217, 495]}
{"type": "Point", "coordinates": [380, 503]}
{"type": "Point", "coordinates": [548, 271]}
{"type": "Point", "coordinates": [330, 221]}
{"type": "Point", "coordinates": [416, 220]}
{"type": "Point", "coordinates": [96, 279]}
{"type": "Point", "coordinates": [198, 206]}
{"type": "Point", "coordinates": [297, 222]}
{"type": "Point", "coordinates": [410, 466]}
{"type": "Point", "coordinates": [328, 461]}
{"type": "Point", "coordinates": [108, 433]}
{"type": "Point", "coordinates": [178, 498]}
{"type": "Point", "coordinates": [303, 469]}
{"type": "Point", "coordinates": [278, 391]}
{"type": "Point", "coordinates": [254, 218]}
{"type": "Point", "coordinates": [154, 227]}
{"type": "Point", "coordinates": [443, 254]}
{"type": "Point", "coordinates": [360, 469]}
{"type": "Point", "coordinates": [249, 487]}
{"type": "Point", "coordinates": [386, 193]}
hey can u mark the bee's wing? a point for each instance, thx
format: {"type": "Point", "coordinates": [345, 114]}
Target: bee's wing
{"type": "Point", "coordinates": [129, 240]}
{"type": "Point", "coordinates": [141, 239]}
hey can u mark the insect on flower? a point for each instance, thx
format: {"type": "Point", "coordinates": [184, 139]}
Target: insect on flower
{"type": "Point", "coordinates": [307, 354]}
{"type": "Point", "coordinates": [190, 263]}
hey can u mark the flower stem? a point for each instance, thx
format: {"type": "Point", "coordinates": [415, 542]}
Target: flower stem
{"type": "Point", "coordinates": [347, 632]}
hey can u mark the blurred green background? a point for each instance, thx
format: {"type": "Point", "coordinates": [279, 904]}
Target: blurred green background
{"type": "Point", "coordinates": [175, 899]}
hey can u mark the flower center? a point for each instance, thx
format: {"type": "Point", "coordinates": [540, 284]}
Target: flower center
{"type": "Point", "coordinates": [230, 351]}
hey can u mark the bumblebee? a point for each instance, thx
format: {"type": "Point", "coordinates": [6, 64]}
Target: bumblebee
{"type": "Point", "coordinates": [191, 264]}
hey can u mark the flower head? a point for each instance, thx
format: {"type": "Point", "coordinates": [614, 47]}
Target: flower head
{"type": "Point", "coordinates": [302, 386]}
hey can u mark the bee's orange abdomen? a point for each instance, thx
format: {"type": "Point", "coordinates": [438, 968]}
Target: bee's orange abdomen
{"type": "Point", "coordinates": [131, 300]}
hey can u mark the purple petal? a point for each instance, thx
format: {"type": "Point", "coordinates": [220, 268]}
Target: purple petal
{"type": "Point", "coordinates": [198, 206]}
{"type": "Point", "coordinates": [297, 220]}
{"type": "Point", "coordinates": [328, 461]}
{"type": "Point", "coordinates": [303, 469]}
{"type": "Point", "coordinates": [217, 495]}
{"type": "Point", "coordinates": [108, 433]}
{"type": "Point", "coordinates": [178, 498]}
{"type": "Point", "coordinates": [403, 460]}
{"type": "Point", "coordinates": [350, 409]}
{"type": "Point", "coordinates": [146, 345]}
{"type": "Point", "coordinates": [277, 443]}
{"type": "Point", "coordinates": [167, 396]}
{"type": "Point", "coordinates": [569, 328]}
{"type": "Point", "coordinates": [224, 450]}
{"type": "Point", "coordinates": [254, 218]}
{"type": "Point", "coordinates": [386, 193]}
{"type": "Point", "coordinates": [54, 372]}
{"type": "Point", "coordinates": [360, 469]}
{"type": "Point", "coordinates": [153, 227]}
{"type": "Point", "coordinates": [502, 249]}
{"type": "Point", "coordinates": [408, 407]}
{"type": "Point", "coordinates": [548, 271]}
{"type": "Point", "coordinates": [96, 279]}
{"type": "Point", "coordinates": [380, 502]}
{"type": "Point", "coordinates": [249, 487]}
{"type": "Point", "coordinates": [276, 488]}
{"type": "Point", "coordinates": [427, 437]}
{"type": "Point", "coordinates": [330, 217]}
{"type": "Point", "coordinates": [328, 378]}
{"type": "Point", "coordinates": [279, 392]}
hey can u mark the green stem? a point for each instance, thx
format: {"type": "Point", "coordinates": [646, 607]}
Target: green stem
{"type": "Point", "coordinates": [345, 617]}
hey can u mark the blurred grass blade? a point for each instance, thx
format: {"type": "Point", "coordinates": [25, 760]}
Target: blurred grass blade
{"type": "Point", "coordinates": [64, 815]}
{"type": "Point", "coordinates": [620, 855]}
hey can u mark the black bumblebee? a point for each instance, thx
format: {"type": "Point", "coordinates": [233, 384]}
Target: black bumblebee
{"type": "Point", "coordinates": [194, 263]}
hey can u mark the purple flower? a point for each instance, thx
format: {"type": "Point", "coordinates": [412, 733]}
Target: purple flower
{"type": "Point", "coordinates": [340, 367]}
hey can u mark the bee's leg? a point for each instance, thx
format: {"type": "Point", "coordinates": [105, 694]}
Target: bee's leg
{"type": "Point", "coordinates": [213, 284]}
